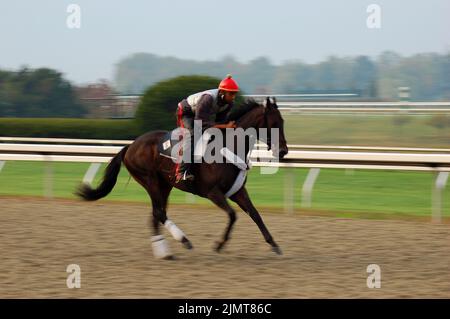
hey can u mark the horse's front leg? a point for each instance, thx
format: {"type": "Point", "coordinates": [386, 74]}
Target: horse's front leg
{"type": "Point", "coordinates": [220, 200]}
{"type": "Point", "coordinates": [243, 200]}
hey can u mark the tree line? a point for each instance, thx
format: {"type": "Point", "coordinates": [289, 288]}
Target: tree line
{"type": "Point", "coordinates": [39, 92]}
{"type": "Point", "coordinates": [45, 92]}
{"type": "Point", "coordinates": [427, 75]}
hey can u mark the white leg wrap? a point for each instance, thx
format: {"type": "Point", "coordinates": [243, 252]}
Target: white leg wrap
{"type": "Point", "coordinates": [160, 247]}
{"type": "Point", "coordinates": [174, 230]}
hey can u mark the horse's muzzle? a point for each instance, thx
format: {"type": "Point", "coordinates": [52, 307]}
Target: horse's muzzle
{"type": "Point", "coordinates": [282, 153]}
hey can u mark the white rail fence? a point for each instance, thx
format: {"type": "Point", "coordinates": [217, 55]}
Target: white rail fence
{"type": "Point", "coordinates": [313, 157]}
{"type": "Point", "coordinates": [353, 107]}
{"type": "Point", "coordinates": [402, 108]}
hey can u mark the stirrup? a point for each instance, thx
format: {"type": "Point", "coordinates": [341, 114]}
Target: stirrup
{"type": "Point", "coordinates": [184, 177]}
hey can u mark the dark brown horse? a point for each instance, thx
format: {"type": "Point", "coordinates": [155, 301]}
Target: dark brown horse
{"type": "Point", "coordinates": [156, 174]}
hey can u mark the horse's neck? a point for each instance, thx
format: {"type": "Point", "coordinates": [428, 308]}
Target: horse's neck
{"type": "Point", "coordinates": [251, 119]}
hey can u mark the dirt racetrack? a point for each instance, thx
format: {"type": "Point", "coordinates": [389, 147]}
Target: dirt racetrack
{"type": "Point", "coordinates": [323, 257]}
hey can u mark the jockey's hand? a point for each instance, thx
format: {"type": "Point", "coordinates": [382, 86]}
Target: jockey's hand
{"type": "Point", "coordinates": [231, 124]}
{"type": "Point", "coordinates": [226, 125]}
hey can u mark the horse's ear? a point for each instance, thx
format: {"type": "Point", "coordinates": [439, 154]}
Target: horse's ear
{"type": "Point", "coordinates": [267, 102]}
{"type": "Point", "coordinates": [274, 102]}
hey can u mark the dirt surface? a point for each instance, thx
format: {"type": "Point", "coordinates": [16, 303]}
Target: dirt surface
{"type": "Point", "coordinates": [323, 257]}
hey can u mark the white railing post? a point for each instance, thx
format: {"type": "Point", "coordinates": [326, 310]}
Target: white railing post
{"type": "Point", "coordinates": [308, 187]}
{"type": "Point", "coordinates": [289, 184]}
{"type": "Point", "coordinates": [438, 190]}
{"type": "Point", "coordinates": [190, 198]}
{"type": "Point", "coordinates": [2, 164]}
{"type": "Point", "coordinates": [91, 172]}
{"type": "Point", "coordinates": [349, 171]}
{"type": "Point", "coordinates": [48, 179]}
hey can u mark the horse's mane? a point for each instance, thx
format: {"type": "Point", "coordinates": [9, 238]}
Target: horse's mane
{"type": "Point", "coordinates": [240, 110]}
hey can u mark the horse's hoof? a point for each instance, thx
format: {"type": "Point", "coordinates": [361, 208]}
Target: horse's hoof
{"type": "Point", "coordinates": [170, 257]}
{"type": "Point", "coordinates": [186, 243]}
{"type": "Point", "coordinates": [277, 250]}
{"type": "Point", "coordinates": [219, 246]}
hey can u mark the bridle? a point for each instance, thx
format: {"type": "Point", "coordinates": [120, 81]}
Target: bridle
{"type": "Point", "coordinates": [266, 125]}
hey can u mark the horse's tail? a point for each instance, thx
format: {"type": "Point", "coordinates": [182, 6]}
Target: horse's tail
{"type": "Point", "coordinates": [109, 180]}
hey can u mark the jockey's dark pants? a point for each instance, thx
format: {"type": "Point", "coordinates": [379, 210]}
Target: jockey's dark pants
{"type": "Point", "coordinates": [187, 122]}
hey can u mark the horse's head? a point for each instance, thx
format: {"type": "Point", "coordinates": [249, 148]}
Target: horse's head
{"type": "Point", "coordinates": [249, 115]}
{"type": "Point", "coordinates": [274, 120]}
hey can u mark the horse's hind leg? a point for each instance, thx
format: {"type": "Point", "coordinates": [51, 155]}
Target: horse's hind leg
{"type": "Point", "coordinates": [158, 198]}
{"type": "Point", "coordinates": [243, 200]}
{"type": "Point", "coordinates": [219, 199]}
{"type": "Point", "coordinates": [177, 233]}
{"type": "Point", "coordinates": [159, 191]}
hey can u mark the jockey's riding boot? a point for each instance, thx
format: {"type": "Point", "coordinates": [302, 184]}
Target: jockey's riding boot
{"type": "Point", "coordinates": [184, 173]}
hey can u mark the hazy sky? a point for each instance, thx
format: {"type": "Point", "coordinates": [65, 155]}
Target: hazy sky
{"type": "Point", "coordinates": [35, 33]}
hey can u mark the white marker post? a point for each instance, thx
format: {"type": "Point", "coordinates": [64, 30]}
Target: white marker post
{"type": "Point", "coordinates": [91, 172]}
{"type": "Point", "coordinates": [441, 181]}
{"type": "Point", "coordinates": [308, 187]}
{"type": "Point", "coordinates": [289, 183]}
{"type": "Point", "coordinates": [48, 179]}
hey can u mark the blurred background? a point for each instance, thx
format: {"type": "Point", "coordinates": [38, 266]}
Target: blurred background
{"type": "Point", "coordinates": [344, 75]}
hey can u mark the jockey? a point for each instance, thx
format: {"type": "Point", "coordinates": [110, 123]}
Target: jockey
{"type": "Point", "coordinates": [211, 107]}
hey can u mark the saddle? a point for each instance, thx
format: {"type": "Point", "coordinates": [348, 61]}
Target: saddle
{"type": "Point", "coordinates": [169, 140]}
{"type": "Point", "coordinates": [166, 144]}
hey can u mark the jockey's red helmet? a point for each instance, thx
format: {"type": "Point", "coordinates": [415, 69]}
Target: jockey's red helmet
{"type": "Point", "coordinates": [228, 84]}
